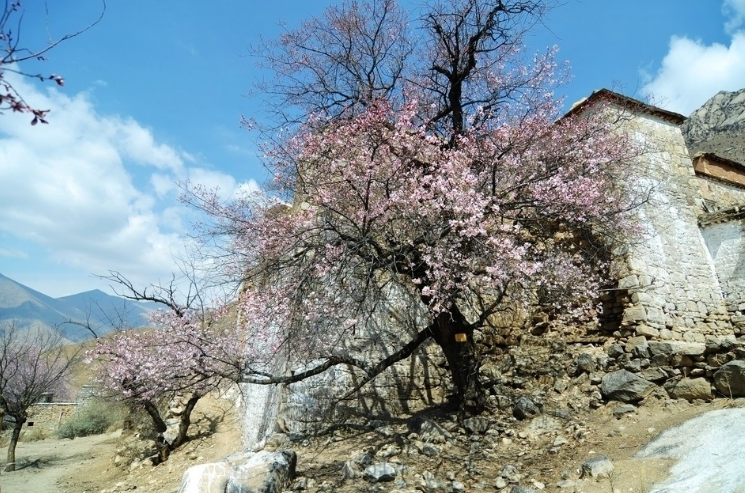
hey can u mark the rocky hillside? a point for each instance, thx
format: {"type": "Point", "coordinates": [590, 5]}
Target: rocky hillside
{"type": "Point", "coordinates": [718, 127]}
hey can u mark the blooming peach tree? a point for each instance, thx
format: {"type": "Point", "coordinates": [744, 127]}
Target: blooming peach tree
{"type": "Point", "coordinates": [451, 180]}
{"type": "Point", "coordinates": [507, 213]}
{"type": "Point", "coordinates": [182, 355]}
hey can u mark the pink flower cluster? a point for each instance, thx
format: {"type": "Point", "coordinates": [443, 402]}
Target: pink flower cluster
{"type": "Point", "coordinates": [524, 203]}
{"type": "Point", "coordinates": [182, 354]}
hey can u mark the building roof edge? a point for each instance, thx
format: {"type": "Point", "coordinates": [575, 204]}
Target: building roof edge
{"type": "Point", "coordinates": [627, 103]}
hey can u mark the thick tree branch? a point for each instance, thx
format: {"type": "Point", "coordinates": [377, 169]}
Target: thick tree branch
{"type": "Point", "coordinates": [371, 370]}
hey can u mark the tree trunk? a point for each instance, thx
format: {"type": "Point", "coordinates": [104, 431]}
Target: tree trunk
{"type": "Point", "coordinates": [2, 421]}
{"type": "Point", "coordinates": [455, 336]}
{"type": "Point", "coordinates": [163, 448]}
{"type": "Point", "coordinates": [11, 466]}
{"type": "Point", "coordinates": [183, 426]}
{"type": "Point", "coordinates": [152, 410]}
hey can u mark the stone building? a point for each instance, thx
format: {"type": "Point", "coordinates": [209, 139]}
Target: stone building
{"type": "Point", "coordinates": [685, 278]}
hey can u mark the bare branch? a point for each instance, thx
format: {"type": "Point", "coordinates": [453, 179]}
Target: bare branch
{"type": "Point", "coordinates": [164, 295]}
{"type": "Point", "coordinates": [15, 54]}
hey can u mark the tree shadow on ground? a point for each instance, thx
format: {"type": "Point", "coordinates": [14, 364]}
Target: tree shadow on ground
{"type": "Point", "coordinates": [39, 462]}
{"type": "Point", "coordinates": [207, 424]}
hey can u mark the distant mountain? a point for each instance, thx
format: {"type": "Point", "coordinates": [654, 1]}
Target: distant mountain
{"type": "Point", "coordinates": [28, 308]}
{"type": "Point", "coordinates": [718, 127]}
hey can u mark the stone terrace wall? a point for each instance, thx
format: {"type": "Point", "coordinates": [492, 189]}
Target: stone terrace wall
{"type": "Point", "coordinates": [674, 292]}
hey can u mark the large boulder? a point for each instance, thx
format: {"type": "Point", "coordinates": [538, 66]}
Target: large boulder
{"type": "Point", "coordinates": [690, 389]}
{"type": "Point", "coordinates": [262, 472]}
{"type": "Point", "coordinates": [625, 386]}
{"type": "Point", "coordinates": [206, 478]}
{"type": "Point", "coordinates": [730, 379]}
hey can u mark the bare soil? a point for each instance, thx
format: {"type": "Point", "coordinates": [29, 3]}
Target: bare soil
{"type": "Point", "coordinates": [44, 463]}
{"type": "Point", "coordinates": [87, 464]}
{"type": "Point", "coordinates": [528, 446]}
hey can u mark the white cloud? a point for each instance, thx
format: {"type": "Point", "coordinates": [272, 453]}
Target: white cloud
{"type": "Point", "coordinates": [692, 72]}
{"type": "Point", "coordinates": [4, 252]}
{"type": "Point", "coordinates": [138, 143]}
{"type": "Point", "coordinates": [236, 149]}
{"type": "Point", "coordinates": [213, 180]}
{"type": "Point", "coordinates": [735, 11]}
{"type": "Point", "coordinates": [162, 184]}
{"type": "Point", "coordinates": [248, 189]}
{"type": "Point", "coordinates": [96, 191]}
{"type": "Point", "coordinates": [225, 185]}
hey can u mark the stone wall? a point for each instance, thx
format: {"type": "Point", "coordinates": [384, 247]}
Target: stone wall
{"type": "Point", "coordinates": [673, 290]}
{"type": "Point", "coordinates": [719, 194]}
{"type": "Point", "coordinates": [50, 415]}
{"type": "Point", "coordinates": [726, 245]}
{"type": "Point", "coordinates": [413, 384]}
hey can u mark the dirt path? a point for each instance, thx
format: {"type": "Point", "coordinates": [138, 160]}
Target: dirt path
{"type": "Point", "coordinates": [44, 462]}
{"type": "Point", "coordinates": [86, 465]}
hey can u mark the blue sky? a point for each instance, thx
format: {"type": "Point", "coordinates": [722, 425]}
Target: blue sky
{"type": "Point", "coordinates": [154, 94]}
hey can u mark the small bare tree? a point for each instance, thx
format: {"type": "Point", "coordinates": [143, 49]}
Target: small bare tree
{"type": "Point", "coordinates": [31, 365]}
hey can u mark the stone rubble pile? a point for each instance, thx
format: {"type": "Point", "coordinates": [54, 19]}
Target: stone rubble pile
{"type": "Point", "coordinates": [423, 455]}
{"type": "Point", "coordinates": [637, 367]}
{"type": "Point", "coordinates": [537, 392]}
{"type": "Point", "coordinates": [627, 370]}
